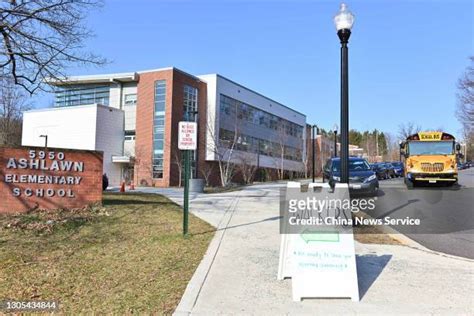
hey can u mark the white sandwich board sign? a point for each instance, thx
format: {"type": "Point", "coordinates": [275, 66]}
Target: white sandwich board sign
{"type": "Point", "coordinates": [187, 136]}
{"type": "Point", "coordinates": [320, 259]}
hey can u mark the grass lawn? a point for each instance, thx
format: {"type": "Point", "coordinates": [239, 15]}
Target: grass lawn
{"type": "Point", "coordinates": [127, 256]}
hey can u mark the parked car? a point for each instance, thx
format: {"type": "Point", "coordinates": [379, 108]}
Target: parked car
{"type": "Point", "coordinates": [461, 166]}
{"type": "Point", "coordinates": [390, 169]}
{"type": "Point", "coordinates": [398, 168]}
{"type": "Point", "coordinates": [362, 179]}
{"type": "Point", "coordinates": [380, 170]}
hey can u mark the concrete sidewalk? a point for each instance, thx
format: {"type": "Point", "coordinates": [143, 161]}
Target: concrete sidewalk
{"type": "Point", "coordinates": [238, 273]}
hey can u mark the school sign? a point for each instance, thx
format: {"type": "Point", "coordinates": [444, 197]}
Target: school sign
{"type": "Point", "coordinates": [35, 177]}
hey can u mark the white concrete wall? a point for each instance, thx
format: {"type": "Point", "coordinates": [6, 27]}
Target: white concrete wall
{"type": "Point", "coordinates": [89, 127]}
{"type": "Point", "coordinates": [130, 110]}
{"type": "Point", "coordinates": [129, 148]}
{"type": "Point", "coordinates": [114, 96]}
{"type": "Point", "coordinates": [212, 128]}
{"type": "Point", "coordinates": [68, 127]}
{"type": "Point", "coordinates": [109, 139]}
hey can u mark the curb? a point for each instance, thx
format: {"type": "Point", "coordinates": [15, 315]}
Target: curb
{"type": "Point", "coordinates": [389, 231]}
{"type": "Point", "coordinates": [408, 242]}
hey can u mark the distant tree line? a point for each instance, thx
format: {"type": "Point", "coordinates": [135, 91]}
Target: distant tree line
{"type": "Point", "coordinates": [465, 108]}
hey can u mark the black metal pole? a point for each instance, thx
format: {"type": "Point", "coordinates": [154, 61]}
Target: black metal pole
{"type": "Point", "coordinates": [335, 143]}
{"type": "Point", "coordinates": [45, 140]}
{"type": "Point", "coordinates": [344, 35]}
{"type": "Point", "coordinates": [313, 158]}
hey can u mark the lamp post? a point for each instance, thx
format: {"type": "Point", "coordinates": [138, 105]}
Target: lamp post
{"type": "Point", "coordinates": [343, 22]}
{"type": "Point", "coordinates": [45, 140]}
{"type": "Point", "coordinates": [335, 127]}
{"type": "Point", "coordinates": [400, 150]}
{"type": "Point", "coordinates": [313, 138]}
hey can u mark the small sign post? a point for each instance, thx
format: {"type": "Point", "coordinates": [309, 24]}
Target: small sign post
{"type": "Point", "coordinates": [187, 141]}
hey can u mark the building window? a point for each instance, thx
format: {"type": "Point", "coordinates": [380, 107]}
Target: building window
{"type": "Point", "coordinates": [252, 144]}
{"type": "Point", "coordinates": [72, 95]}
{"type": "Point", "coordinates": [159, 128]}
{"type": "Point", "coordinates": [190, 99]}
{"type": "Point", "coordinates": [247, 113]}
{"type": "Point", "coordinates": [129, 135]}
{"type": "Point", "coordinates": [130, 99]}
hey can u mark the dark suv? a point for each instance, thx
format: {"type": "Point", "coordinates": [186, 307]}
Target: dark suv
{"type": "Point", "coordinates": [390, 170]}
{"type": "Point", "coordinates": [398, 168]}
{"type": "Point", "coordinates": [380, 170]}
{"type": "Point", "coordinates": [362, 179]}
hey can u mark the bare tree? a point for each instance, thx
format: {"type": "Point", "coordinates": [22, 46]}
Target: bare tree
{"type": "Point", "coordinates": [306, 164]}
{"type": "Point", "coordinates": [246, 166]}
{"type": "Point", "coordinates": [279, 157]}
{"type": "Point", "coordinates": [39, 39]}
{"type": "Point", "coordinates": [206, 171]}
{"type": "Point", "coordinates": [223, 147]}
{"type": "Point", "coordinates": [465, 107]}
{"type": "Point", "coordinates": [142, 166]}
{"type": "Point", "coordinates": [407, 129]}
{"type": "Point", "coordinates": [13, 102]}
{"type": "Point", "coordinates": [393, 148]}
{"type": "Point", "coordinates": [179, 163]}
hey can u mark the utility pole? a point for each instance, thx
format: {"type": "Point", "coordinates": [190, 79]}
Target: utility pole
{"type": "Point", "coordinates": [186, 192]}
{"type": "Point", "coordinates": [313, 139]}
{"type": "Point", "coordinates": [377, 142]}
{"type": "Point", "coordinates": [186, 150]}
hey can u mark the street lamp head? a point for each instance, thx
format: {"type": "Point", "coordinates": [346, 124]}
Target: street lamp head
{"type": "Point", "coordinates": [335, 128]}
{"type": "Point", "coordinates": [344, 19]}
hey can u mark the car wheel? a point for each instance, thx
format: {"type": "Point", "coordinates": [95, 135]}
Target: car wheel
{"type": "Point", "coordinates": [375, 192]}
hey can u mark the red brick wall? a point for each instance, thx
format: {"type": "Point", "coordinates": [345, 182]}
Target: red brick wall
{"type": "Point", "coordinates": [175, 81]}
{"type": "Point", "coordinates": [88, 191]}
{"type": "Point", "coordinates": [144, 127]}
{"type": "Point", "coordinates": [179, 80]}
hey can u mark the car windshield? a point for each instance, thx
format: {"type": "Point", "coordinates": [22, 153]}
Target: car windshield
{"type": "Point", "coordinates": [354, 165]}
{"type": "Point", "coordinates": [397, 164]}
{"type": "Point", "coordinates": [430, 148]}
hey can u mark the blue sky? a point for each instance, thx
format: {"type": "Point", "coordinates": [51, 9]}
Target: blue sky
{"type": "Point", "coordinates": [405, 56]}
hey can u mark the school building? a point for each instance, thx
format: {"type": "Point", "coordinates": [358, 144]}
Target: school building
{"type": "Point", "coordinates": [133, 118]}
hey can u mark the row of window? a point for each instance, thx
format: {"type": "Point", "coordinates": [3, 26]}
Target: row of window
{"type": "Point", "coordinates": [88, 94]}
{"type": "Point", "coordinates": [190, 102]}
{"type": "Point", "coordinates": [82, 95]}
{"type": "Point", "coordinates": [256, 145]}
{"type": "Point", "coordinates": [130, 99]}
{"type": "Point", "coordinates": [235, 108]}
{"type": "Point", "coordinates": [159, 128]}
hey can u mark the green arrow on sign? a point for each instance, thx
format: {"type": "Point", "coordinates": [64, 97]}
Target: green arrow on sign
{"type": "Point", "coordinates": [315, 236]}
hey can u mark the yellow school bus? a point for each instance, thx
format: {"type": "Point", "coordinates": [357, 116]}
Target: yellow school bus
{"type": "Point", "coordinates": [430, 157]}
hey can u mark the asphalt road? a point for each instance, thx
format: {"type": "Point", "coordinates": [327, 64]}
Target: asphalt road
{"type": "Point", "coordinates": [445, 213]}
